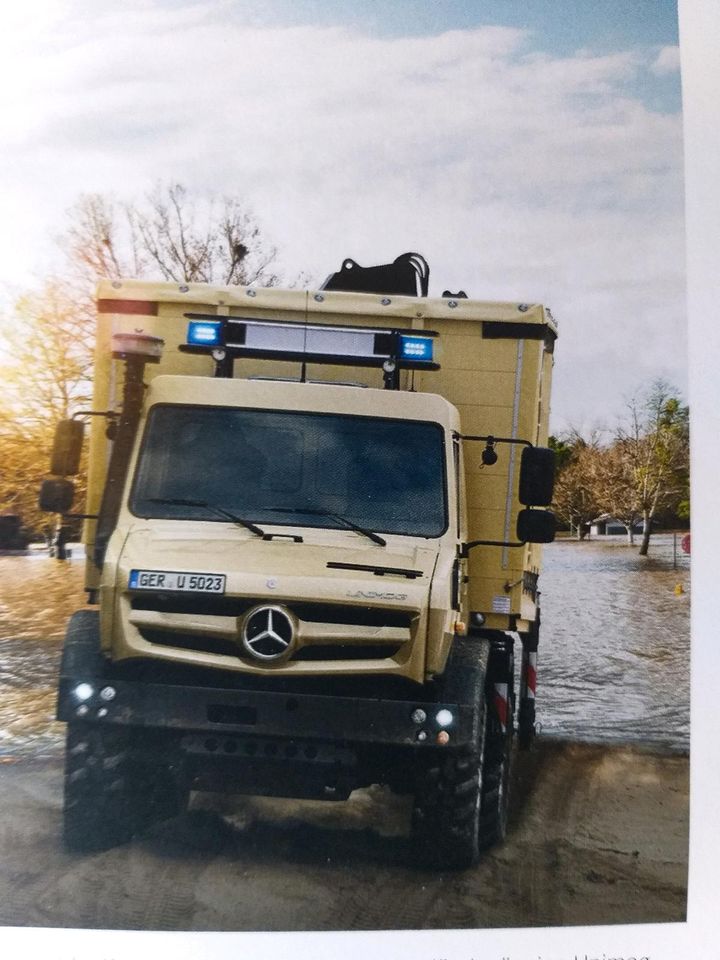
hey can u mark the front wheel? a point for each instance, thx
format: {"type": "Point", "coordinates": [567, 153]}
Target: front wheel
{"type": "Point", "coordinates": [446, 811]}
{"type": "Point", "coordinates": [109, 795]}
{"type": "Point", "coordinates": [100, 808]}
{"type": "Point", "coordinates": [461, 800]}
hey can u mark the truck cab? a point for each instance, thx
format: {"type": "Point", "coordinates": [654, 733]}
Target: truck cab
{"type": "Point", "coordinates": [289, 529]}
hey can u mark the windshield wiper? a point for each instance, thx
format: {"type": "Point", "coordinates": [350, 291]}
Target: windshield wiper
{"type": "Point", "coordinates": [220, 511]}
{"type": "Point", "coordinates": [375, 537]}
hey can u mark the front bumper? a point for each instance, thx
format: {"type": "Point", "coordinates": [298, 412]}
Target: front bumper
{"type": "Point", "coordinates": [202, 709]}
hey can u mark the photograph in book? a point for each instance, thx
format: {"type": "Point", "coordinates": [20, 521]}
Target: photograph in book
{"type": "Point", "coordinates": [344, 504]}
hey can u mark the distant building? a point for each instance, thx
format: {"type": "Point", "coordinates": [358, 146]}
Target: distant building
{"type": "Point", "coordinates": [609, 526]}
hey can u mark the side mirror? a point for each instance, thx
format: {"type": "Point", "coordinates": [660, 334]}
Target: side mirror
{"type": "Point", "coordinates": [537, 477]}
{"type": "Point", "coordinates": [56, 495]}
{"type": "Point", "coordinates": [67, 447]}
{"type": "Point", "coordinates": [536, 526]}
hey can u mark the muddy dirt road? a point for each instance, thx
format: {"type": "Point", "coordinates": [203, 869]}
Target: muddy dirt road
{"type": "Point", "coordinates": [598, 835]}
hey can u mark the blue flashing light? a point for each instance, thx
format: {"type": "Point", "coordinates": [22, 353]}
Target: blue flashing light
{"type": "Point", "coordinates": [205, 333]}
{"type": "Point", "coordinates": [416, 348]}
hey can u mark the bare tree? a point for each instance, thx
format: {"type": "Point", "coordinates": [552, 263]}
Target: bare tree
{"type": "Point", "coordinates": [169, 235]}
{"type": "Point", "coordinates": [616, 489]}
{"type": "Point", "coordinates": [654, 442]}
{"type": "Point", "coordinates": [643, 470]}
{"type": "Point", "coordinates": [575, 499]}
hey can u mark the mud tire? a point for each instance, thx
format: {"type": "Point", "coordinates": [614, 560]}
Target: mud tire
{"type": "Point", "coordinates": [526, 725]}
{"type": "Point", "coordinates": [461, 800]}
{"type": "Point", "coordinates": [100, 808]}
{"type": "Point", "coordinates": [109, 795]}
{"type": "Point", "coordinates": [526, 715]}
{"type": "Point", "coordinates": [495, 793]}
{"type": "Point", "coordinates": [446, 813]}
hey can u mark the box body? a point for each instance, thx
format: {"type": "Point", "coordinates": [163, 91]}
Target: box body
{"type": "Point", "coordinates": [495, 367]}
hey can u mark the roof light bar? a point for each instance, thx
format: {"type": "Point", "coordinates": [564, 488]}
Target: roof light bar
{"type": "Point", "coordinates": [312, 343]}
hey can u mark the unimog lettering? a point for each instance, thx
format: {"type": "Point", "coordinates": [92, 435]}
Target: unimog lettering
{"type": "Point", "coordinates": [374, 595]}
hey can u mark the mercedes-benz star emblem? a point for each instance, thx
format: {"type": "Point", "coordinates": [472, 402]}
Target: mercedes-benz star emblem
{"type": "Point", "coordinates": [268, 633]}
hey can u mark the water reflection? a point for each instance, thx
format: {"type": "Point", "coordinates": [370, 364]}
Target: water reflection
{"type": "Point", "coordinates": [614, 655]}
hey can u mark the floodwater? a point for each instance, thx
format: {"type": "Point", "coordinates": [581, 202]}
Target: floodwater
{"type": "Point", "coordinates": [614, 660]}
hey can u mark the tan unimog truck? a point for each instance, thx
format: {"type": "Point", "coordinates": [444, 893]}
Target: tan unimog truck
{"type": "Point", "coordinates": [312, 533]}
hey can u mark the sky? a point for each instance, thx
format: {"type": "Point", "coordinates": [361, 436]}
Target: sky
{"type": "Point", "coordinates": [529, 154]}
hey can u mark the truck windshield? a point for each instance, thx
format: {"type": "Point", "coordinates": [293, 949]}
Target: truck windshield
{"type": "Point", "coordinates": [293, 468]}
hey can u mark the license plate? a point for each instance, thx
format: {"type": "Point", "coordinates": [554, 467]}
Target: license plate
{"type": "Point", "coordinates": [183, 582]}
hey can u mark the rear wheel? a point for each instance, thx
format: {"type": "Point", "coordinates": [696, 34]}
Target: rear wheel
{"type": "Point", "coordinates": [528, 683]}
{"type": "Point", "coordinates": [500, 711]}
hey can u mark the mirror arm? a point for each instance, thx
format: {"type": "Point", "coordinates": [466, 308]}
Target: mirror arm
{"type": "Point", "coordinates": [492, 440]}
{"type": "Point", "coordinates": [110, 414]}
{"type": "Point", "coordinates": [467, 547]}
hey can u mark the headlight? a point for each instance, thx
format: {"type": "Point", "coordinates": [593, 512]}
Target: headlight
{"type": "Point", "coordinates": [83, 692]}
{"type": "Point", "coordinates": [444, 718]}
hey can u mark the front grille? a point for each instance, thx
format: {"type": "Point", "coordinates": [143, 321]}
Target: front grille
{"type": "Point", "coordinates": [236, 606]}
{"type": "Point", "coordinates": [201, 643]}
{"type": "Point", "coordinates": [345, 651]}
{"type": "Point", "coordinates": [212, 605]}
{"type": "Point", "coordinates": [198, 642]}
{"type": "Point", "coordinates": [159, 619]}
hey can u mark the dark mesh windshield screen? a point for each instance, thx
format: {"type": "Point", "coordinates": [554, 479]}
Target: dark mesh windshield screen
{"type": "Point", "coordinates": [269, 467]}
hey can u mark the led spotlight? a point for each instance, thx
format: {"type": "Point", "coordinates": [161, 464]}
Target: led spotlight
{"type": "Point", "coordinates": [205, 333]}
{"type": "Point", "coordinates": [416, 348]}
{"type": "Point", "coordinates": [444, 718]}
{"type": "Point", "coordinates": [83, 691]}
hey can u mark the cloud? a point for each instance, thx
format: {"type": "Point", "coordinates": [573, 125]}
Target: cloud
{"type": "Point", "coordinates": [518, 174]}
{"type": "Point", "coordinates": [666, 62]}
